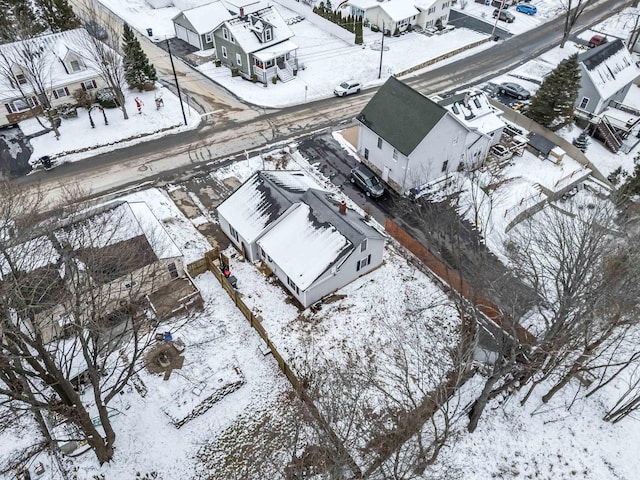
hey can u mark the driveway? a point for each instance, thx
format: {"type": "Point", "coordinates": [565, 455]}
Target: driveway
{"type": "Point", "coordinates": [461, 19]}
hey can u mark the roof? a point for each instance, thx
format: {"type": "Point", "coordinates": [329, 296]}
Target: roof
{"type": "Point", "coordinates": [206, 17]}
{"type": "Point", "coordinates": [364, 4]}
{"type": "Point", "coordinates": [400, 115]}
{"type": "Point", "coordinates": [275, 50]}
{"type": "Point", "coordinates": [610, 67]}
{"type": "Point", "coordinates": [56, 47]}
{"type": "Point", "coordinates": [262, 199]}
{"type": "Point", "coordinates": [244, 28]}
{"type": "Point", "coordinates": [541, 144]}
{"type": "Point", "coordinates": [472, 108]}
{"type": "Point", "coordinates": [399, 9]}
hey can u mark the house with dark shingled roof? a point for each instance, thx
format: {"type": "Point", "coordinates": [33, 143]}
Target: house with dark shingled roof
{"type": "Point", "coordinates": [313, 243]}
{"type": "Point", "coordinates": [410, 140]}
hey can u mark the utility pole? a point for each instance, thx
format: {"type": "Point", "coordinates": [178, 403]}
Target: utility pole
{"type": "Point", "coordinates": [495, 24]}
{"type": "Point", "coordinates": [381, 50]}
{"type": "Point", "coordinates": [175, 78]}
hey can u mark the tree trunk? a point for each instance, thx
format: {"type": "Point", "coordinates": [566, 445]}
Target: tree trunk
{"type": "Point", "coordinates": [481, 402]}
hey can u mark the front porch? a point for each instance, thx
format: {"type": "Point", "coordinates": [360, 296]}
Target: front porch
{"type": "Point", "coordinates": [276, 61]}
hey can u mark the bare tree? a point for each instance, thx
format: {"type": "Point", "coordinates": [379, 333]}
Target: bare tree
{"type": "Point", "coordinates": [73, 299]}
{"type": "Point", "coordinates": [573, 10]}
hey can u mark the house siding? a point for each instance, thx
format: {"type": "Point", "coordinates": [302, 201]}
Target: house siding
{"type": "Point", "coordinates": [588, 89]}
{"type": "Point", "coordinates": [232, 50]}
{"type": "Point", "coordinates": [250, 249]}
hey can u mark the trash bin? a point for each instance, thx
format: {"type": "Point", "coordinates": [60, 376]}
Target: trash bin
{"type": "Point", "coordinates": [495, 39]}
{"type": "Point", "coordinates": [150, 32]}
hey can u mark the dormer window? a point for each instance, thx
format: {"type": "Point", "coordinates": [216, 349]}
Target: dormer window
{"type": "Point", "coordinates": [21, 79]}
{"type": "Point", "coordinates": [267, 35]}
{"type": "Point", "coordinates": [76, 66]}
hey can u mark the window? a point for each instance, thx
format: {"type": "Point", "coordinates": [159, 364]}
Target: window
{"type": "Point", "coordinates": [584, 102]}
{"type": "Point", "coordinates": [61, 92]}
{"type": "Point", "coordinates": [395, 154]}
{"type": "Point", "coordinates": [129, 285]}
{"type": "Point", "coordinates": [379, 142]}
{"type": "Point", "coordinates": [431, 10]}
{"type": "Point", "coordinates": [267, 35]}
{"type": "Point", "coordinates": [445, 5]}
{"type": "Point", "coordinates": [76, 66]}
{"type": "Point", "coordinates": [363, 245]}
{"type": "Point", "coordinates": [239, 59]}
{"type": "Point", "coordinates": [403, 23]}
{"type": "Point", "coordinates": [21, 79]}
{"type": "Point", "coordinates": [88, 85]}
{"type": "Point", "coordinates": [224, 52]}
{"type": "Point", "coordinates": [366, 154]}
{"type": "Point", "coordinates": [20, 105]}
{"type": "Point", "coordinates": [234, 234]}
{"type": "Point", "coordinates": [208, 38]}
{"type": "Point", "coordinates": [225, 33]}
{"type": "Point", "coordinates": [444, 165]}
{"type": "Point", "coordinates": [293, 286]}
{"type": "Point", "coordinates": [363, 263]}
{"type": "Point", "coordinates": [173, 270]}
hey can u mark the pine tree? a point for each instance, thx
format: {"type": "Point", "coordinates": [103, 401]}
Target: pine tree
{"type": "Point", "coordinates": [18, 21]}
{"type": "Point", "coordinates": [553, 104]}
{"type": "Point", "coordinates": [57, 15]}
{"type": "Point", "coordinates": [359, 35]}
{"type": "Point", "coordinates": [137, 69]}
{"type": "Point", "coordinates": [581, 141]}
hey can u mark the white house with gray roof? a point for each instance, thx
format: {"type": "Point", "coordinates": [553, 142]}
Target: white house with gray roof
{"type": "Point", "coordinates": [606, 75]}
{"type": "Point", "coordinates": [65, 67]}
{"type": "Point", "coordinates": [410, 140]}
{"type": "Point", "coordinates": [399, 15]}
{"type": "Point", "coordinates": [311, 242]}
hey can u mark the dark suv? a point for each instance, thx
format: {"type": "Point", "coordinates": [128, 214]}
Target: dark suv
{"type": "Point", "coordinates": [504, 15]}
{"type": "Point", "coordinates": [367, 181]}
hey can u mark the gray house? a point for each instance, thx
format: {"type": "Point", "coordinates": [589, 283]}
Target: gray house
{"type": "Point", "coordinates": [607, 73]}
{"type": "Point", "coordinates": [195, 26]}
{"type": "Point", "coordinates": [257, 43]}
{"type": "Point", "coordinates": [410, 140]}
{"type": "Point", "coordinates": [311, 242]}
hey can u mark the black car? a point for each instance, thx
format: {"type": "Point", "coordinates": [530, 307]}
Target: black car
{"type": "Point", "coordinates": [367, 181]}
{"type": "Point", "coordinates": [514, 90]}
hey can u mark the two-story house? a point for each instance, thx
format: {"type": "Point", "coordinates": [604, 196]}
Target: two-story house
{"type": "Point", "coordinates": [411, 140]}
{"type": "Point", "coordinates": [311, 242]}
{"type": "Point", "coordinates": [398, 15]}
{"type": "Point", "coordinates": [62, 68]}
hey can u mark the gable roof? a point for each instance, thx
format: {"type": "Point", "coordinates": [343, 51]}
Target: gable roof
{"type": "Point", "coordinates": [55, 47]}
{"type": "Point", "coordinates": [401, 115]}
{"type": "Point", "coordinates": [472, 108]}
{"type": "Point", "coordinates": [206, 18]}
{"type": "Point", "coordinates": [399, 9]}
{"type": "Point", "coordinates": [541, 144]}
{"type": "Point", "coordinates": [610, 67]}
{"type": "Point", "coordinates": [243, 28]}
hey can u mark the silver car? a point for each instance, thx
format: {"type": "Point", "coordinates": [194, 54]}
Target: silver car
{"type": "Point", "coordinates": [367, 181]}
{"type": "Point", "coordinates": [347, 88]}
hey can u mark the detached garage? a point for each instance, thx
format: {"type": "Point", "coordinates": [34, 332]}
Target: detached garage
{"type": "Point", "coordinates": [195, 26]}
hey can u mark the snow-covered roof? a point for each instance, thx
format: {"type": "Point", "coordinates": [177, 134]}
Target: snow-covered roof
{"type": "Point", "coordinates": [243, 29]}
{"type": "Point", "coordinates": [162, 244]}
{"type": "Point", "coordinates": [364, 4]}
{"type": "Point", "coordinates": [262, 199]}
{"type": "Point", "coordinates": [275, 50]}
{"type": "Point", "coordinates": [610, 67]}
{"type": "Point", "coordinates": [207, 17]}
{"type": "Point", "coordinates": [54, 48]}
{"type": "Point", "coordinates": [473, 108]}
{"type": "Point", "coordinates": [301, 247]}
{"type": "Point", "coordinates": [30, 256]}
{"type": "Point", "coordinates": [399, 9]}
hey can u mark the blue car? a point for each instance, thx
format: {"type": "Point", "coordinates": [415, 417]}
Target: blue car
{"type": "Point", "coordinates": [526, 8]}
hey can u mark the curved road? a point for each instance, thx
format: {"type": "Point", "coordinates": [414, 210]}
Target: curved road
{"type": "Point", "coordinates": [240, 127]}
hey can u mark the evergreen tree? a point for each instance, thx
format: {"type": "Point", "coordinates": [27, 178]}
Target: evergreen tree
{"type": "Point", "coordinates": [581, 141]}
{"type": "Point", "coordinates": [359, 35]}
{"type": "Point", "coordinates": [57, 15]}
{"type": "Point", "coordinates": [18, 21]}
{"type": "Point", "coordinates": [553, 105]}
{"type": "Point", "coordinates": [137, 69]}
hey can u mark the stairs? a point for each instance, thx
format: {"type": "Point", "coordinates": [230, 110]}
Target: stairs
{"type": "Point", "coordinates": [285, 74]}
{"type": "Point", "coordinates": [608, 133]}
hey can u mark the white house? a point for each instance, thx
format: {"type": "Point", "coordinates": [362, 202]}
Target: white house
{"type": "Point", "coordinates": [607, 72]}
{"type": "Point", "coordinates": [410, 140]}
{"type": "Point", "coordinates": [65, 68]}
{"type": "Point", "coordinates": [398, 15]}
{"type": "Point", "coordinates": [311, 242]}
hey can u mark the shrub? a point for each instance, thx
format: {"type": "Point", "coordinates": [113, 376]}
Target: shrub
{"type": "Point", "coordinates": [274, 80]}
{"type": "Point", "coordinates": [254, 77]}
{"type": "Point", "coordinates": [235, 72]}
{"type": "Point", "coordinates": [84, 98]}
{"type": "Point", "coordinates": [106, 98]}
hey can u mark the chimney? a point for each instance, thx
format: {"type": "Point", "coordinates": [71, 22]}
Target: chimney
{"type": "Point", "coordinates": [241, 11]}
{"type": "Point", "coordinates": [342, 207]}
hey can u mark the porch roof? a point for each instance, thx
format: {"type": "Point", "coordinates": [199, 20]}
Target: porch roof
{"type": "Point", "coordinates": [274, 51]}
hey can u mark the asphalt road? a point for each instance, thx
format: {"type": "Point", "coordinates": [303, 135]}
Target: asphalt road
{"type": "Point", "coordinates": [242, 127]}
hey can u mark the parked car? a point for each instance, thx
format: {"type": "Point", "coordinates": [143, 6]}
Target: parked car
{"type": "Point", "coordinates": [367, 181]}
{"type": "Point", "coordinates": [527, 8]}
{"type": "Point", "coordinates": [430, 31]}
{"type": "Point", "coordinates": [347, 88]}
{"type": "Point", "coordinates": [514, 90]}
{"type": "Point", "coordinates": [504, 15]}
{"type": "Point", "coordinates": [500, 4]}
{"type": "Point", "coordinates": [597, 40]}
